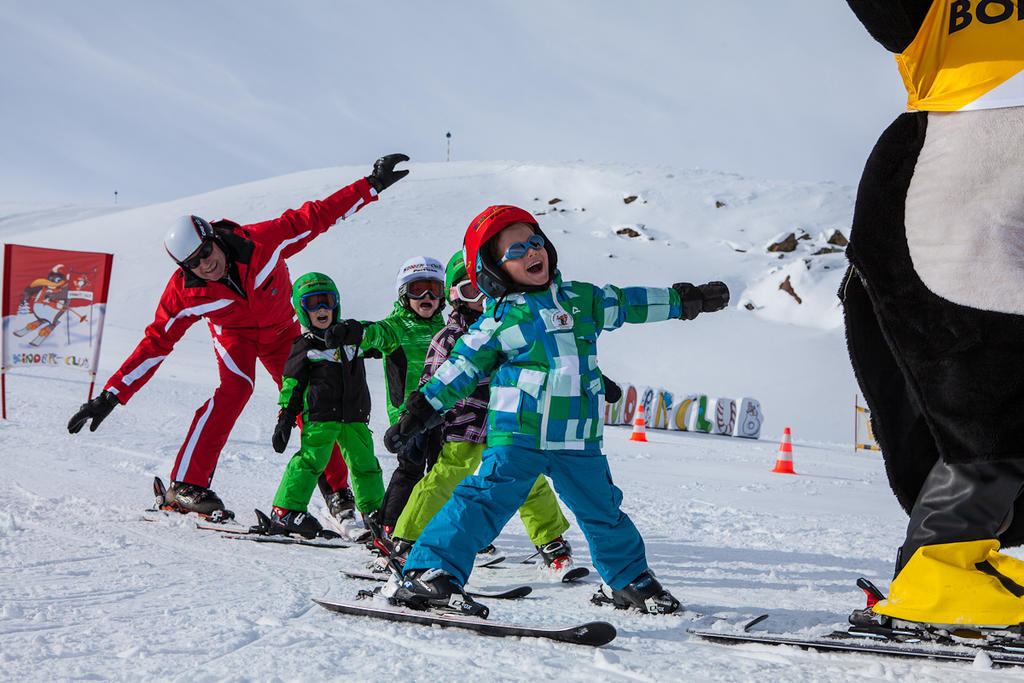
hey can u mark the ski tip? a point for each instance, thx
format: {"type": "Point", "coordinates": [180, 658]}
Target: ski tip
{"type": "Point", "coordinates": [595, 633]}
{"type": "Point", "coordinates": [575, 574]}
{"type": "Point", "coordinates": [754, 622]}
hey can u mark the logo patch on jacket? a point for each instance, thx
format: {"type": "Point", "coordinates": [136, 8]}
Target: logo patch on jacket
{"type": "Point", "coordinates": [560, 320]}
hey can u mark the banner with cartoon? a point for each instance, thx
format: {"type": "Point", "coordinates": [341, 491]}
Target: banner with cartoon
{"type": "Point", "coordinates": [53, 306]}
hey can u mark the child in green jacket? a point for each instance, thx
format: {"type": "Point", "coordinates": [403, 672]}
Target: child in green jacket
{"type": "Point", "coordinates": [324, 382]}
{"type": "Point", "coordinates": [403, 338]}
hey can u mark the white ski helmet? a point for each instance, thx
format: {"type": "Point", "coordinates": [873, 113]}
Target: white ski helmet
{"type": "Point", "coordinates": [418, 268]}
{"type": "Point", "coordinates": [185, 236]}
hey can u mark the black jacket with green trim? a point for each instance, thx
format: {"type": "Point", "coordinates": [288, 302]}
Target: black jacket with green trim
{"type": "Point", "coordinates": [324, 385]}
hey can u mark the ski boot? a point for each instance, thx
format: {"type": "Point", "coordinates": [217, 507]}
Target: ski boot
{"type": "Point", "coordinates": [398, 551]}
{"type": "Point", "coordinates": [436, 589]}
{"type": "Point", "coordinates": [867, 618]}
{"type": "Point", "coordinates": [285, 522]}
{"type": "Point", "coordinates": [191, 498]}
{"type": "Point", "coordinates": [557, 554]}
{"type": "Point", "coordinates": [341, 504]}
{"type": "Point", "coordinates": [644, 593]}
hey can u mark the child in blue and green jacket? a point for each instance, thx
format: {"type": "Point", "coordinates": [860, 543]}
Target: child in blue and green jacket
{"type": "Point", "coordinates": [538, 341]}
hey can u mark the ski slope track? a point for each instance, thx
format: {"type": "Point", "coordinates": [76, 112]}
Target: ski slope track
{"type": "Point", "coordinates": [91, 590]}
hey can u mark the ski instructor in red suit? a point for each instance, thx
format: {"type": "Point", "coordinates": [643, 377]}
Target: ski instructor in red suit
{"type": "Point", "coordinates": [234, 276]}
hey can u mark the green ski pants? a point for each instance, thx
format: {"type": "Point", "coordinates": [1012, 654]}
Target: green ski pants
{"type": "Point", "coordinates": [305, 467]}
{"type": "Point", "coordinates": [541, 513]}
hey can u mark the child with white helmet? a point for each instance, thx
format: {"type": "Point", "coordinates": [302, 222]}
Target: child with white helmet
{"type": "Point", "coordinates": [403, 338]}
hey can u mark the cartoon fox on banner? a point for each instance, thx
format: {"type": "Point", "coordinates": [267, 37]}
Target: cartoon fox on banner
{"type": "Point", "coordinates": [53, 306]}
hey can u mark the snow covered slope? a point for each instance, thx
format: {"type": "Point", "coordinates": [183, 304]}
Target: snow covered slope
{"type": "Point", "coordinates": [90, 590]}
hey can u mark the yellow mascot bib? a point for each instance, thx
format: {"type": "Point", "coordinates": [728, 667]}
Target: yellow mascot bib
{"type": "Point", "coordinates": [968, 54]}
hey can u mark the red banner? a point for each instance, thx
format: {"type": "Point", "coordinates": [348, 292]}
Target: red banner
{"type": "Point", "coordinates": [53, 305]}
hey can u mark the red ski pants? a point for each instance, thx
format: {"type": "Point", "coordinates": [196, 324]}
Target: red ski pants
{"type": "Point", "coordinates": [236, 365]}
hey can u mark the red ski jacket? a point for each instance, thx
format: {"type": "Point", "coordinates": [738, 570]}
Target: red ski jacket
{"type": "Point", "coordinates": [263, 297]}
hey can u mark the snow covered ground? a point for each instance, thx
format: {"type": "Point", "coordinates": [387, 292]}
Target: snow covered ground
{"type": "Point", "coordinates": [90, 590]}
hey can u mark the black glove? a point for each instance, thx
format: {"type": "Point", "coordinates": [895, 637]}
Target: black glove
{"type": "Point", "coordinates": [343, 334]}
{"type": "Point", "coordinates": [282, 431]}
{"type": "Point", "coordinates": [693, 300]}
{"type": "Point", "coordinates": [716, 296]}
{"type": "Point", "coordinates": [419, 416]}
{"type": "Point", "coordinates": [384, 174]}
{"type": "Point", "coordinates": [371, 352]}
{"type": "Point", "coordinates": [96, 410]}
{"type": "Point", "coordinates": [612, 391]}
{"type": "Point", "coordinates": [708, 298]}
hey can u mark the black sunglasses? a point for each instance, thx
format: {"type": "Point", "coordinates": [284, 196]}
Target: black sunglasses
{"type": "Point", "coordinates": [204, 252]}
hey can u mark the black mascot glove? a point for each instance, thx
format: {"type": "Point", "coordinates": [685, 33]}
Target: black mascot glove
{"type": "Point", "coordinates": [96, 410]}
{"type": "Point", "coordinates": [384, 174]}
{"type": "Point", "coordinates": [612, 391]}
{"type": "Point", "coordinates": [716, 296]}
{"type": "Point", "coordinates": [419, 416]}
{"type": "Point", "coordinates": [345, 333]}
{"type": "Point", "coordinates": [693, 300]}
{"type": "Point", "coordinates": [282, 431]}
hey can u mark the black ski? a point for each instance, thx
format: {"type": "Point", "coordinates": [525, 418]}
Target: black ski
{"type": "Point", "coordinates": [845, 641]}
{"type": "Point", "coordinates": [575, 574]}
{"type": "Point", "coordinates": [594, 633]}
{"type": "Point", "coordinates": [284, 540]}
{"type": "Point", "coordinates": [488, 561]}
{"type": "Point", "coordinates": [510, 594]}
{"type": "Point", "coordinates": [571, 576]}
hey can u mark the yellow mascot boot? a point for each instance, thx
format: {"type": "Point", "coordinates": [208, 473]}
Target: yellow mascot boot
{"type": "Point", "coordinates": [965, 583]}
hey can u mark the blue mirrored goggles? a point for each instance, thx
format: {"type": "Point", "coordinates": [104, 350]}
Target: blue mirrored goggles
{"type": "Point", "coordinates": [519, 249]}
{"type": "Point", "coordinates": [317, 300]}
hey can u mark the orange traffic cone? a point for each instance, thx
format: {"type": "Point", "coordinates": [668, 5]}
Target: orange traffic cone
{"type": "Point", "coordinates": [639, 433]}
{"type": "Point", "coordinates": [784, 461]}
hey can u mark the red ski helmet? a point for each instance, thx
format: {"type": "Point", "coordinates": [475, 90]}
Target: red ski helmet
{"type": "Point", "coordinates": [483, 272]}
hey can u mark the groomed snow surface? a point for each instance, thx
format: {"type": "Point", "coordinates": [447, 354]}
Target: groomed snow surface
{"type": "Point", "coordinates": [90, 590]}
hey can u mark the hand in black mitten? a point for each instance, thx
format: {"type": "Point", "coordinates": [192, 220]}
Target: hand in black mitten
{"type": "Point", "coordinates": [384, 174]}
{"type": "Point", "coordinates": [282, 431]}
{"type": "Point", "coordinates": [96, 410]}
{"type": "Point", "coordinates": [693, 300]}
{"type": "Point", "coordinates": [612, 391]}
{"type": "Point", "coordinates": [347, 332]}
{"type": "Point", "coordinates": [419, 416]}
{"type": "Point", "coordinates": [716, 296]}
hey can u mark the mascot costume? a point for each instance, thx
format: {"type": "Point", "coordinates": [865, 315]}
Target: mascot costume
{"type": "Point", "coordinates": [934, 306]}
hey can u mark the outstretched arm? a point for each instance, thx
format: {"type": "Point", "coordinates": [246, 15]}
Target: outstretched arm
{"type": "Point", "coordinates": [297, 227]}
{"type": "Point", "coordinates": [171, 321]}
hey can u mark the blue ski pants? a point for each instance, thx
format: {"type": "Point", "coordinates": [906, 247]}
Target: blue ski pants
{"type": "Point", "coordinates": [482, 504]}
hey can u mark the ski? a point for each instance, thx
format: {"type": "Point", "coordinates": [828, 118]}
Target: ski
{"type": "Point", "coordinates": [594, 633]}
{"type": "Point", "coordinates": [42, 335]}
{"type": "Point", "coordinates": [488, 561]}
{"type": "Point", "coordinates": [284, 540]}
{"type": "Point", "coordinates": [845, 641]}
{"type": "Point", "coordinates": [28, 328]}
{"type": "Point", "coordinates": [510, 594]}
{"type": "Point", "coordinates": [573, 575]}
